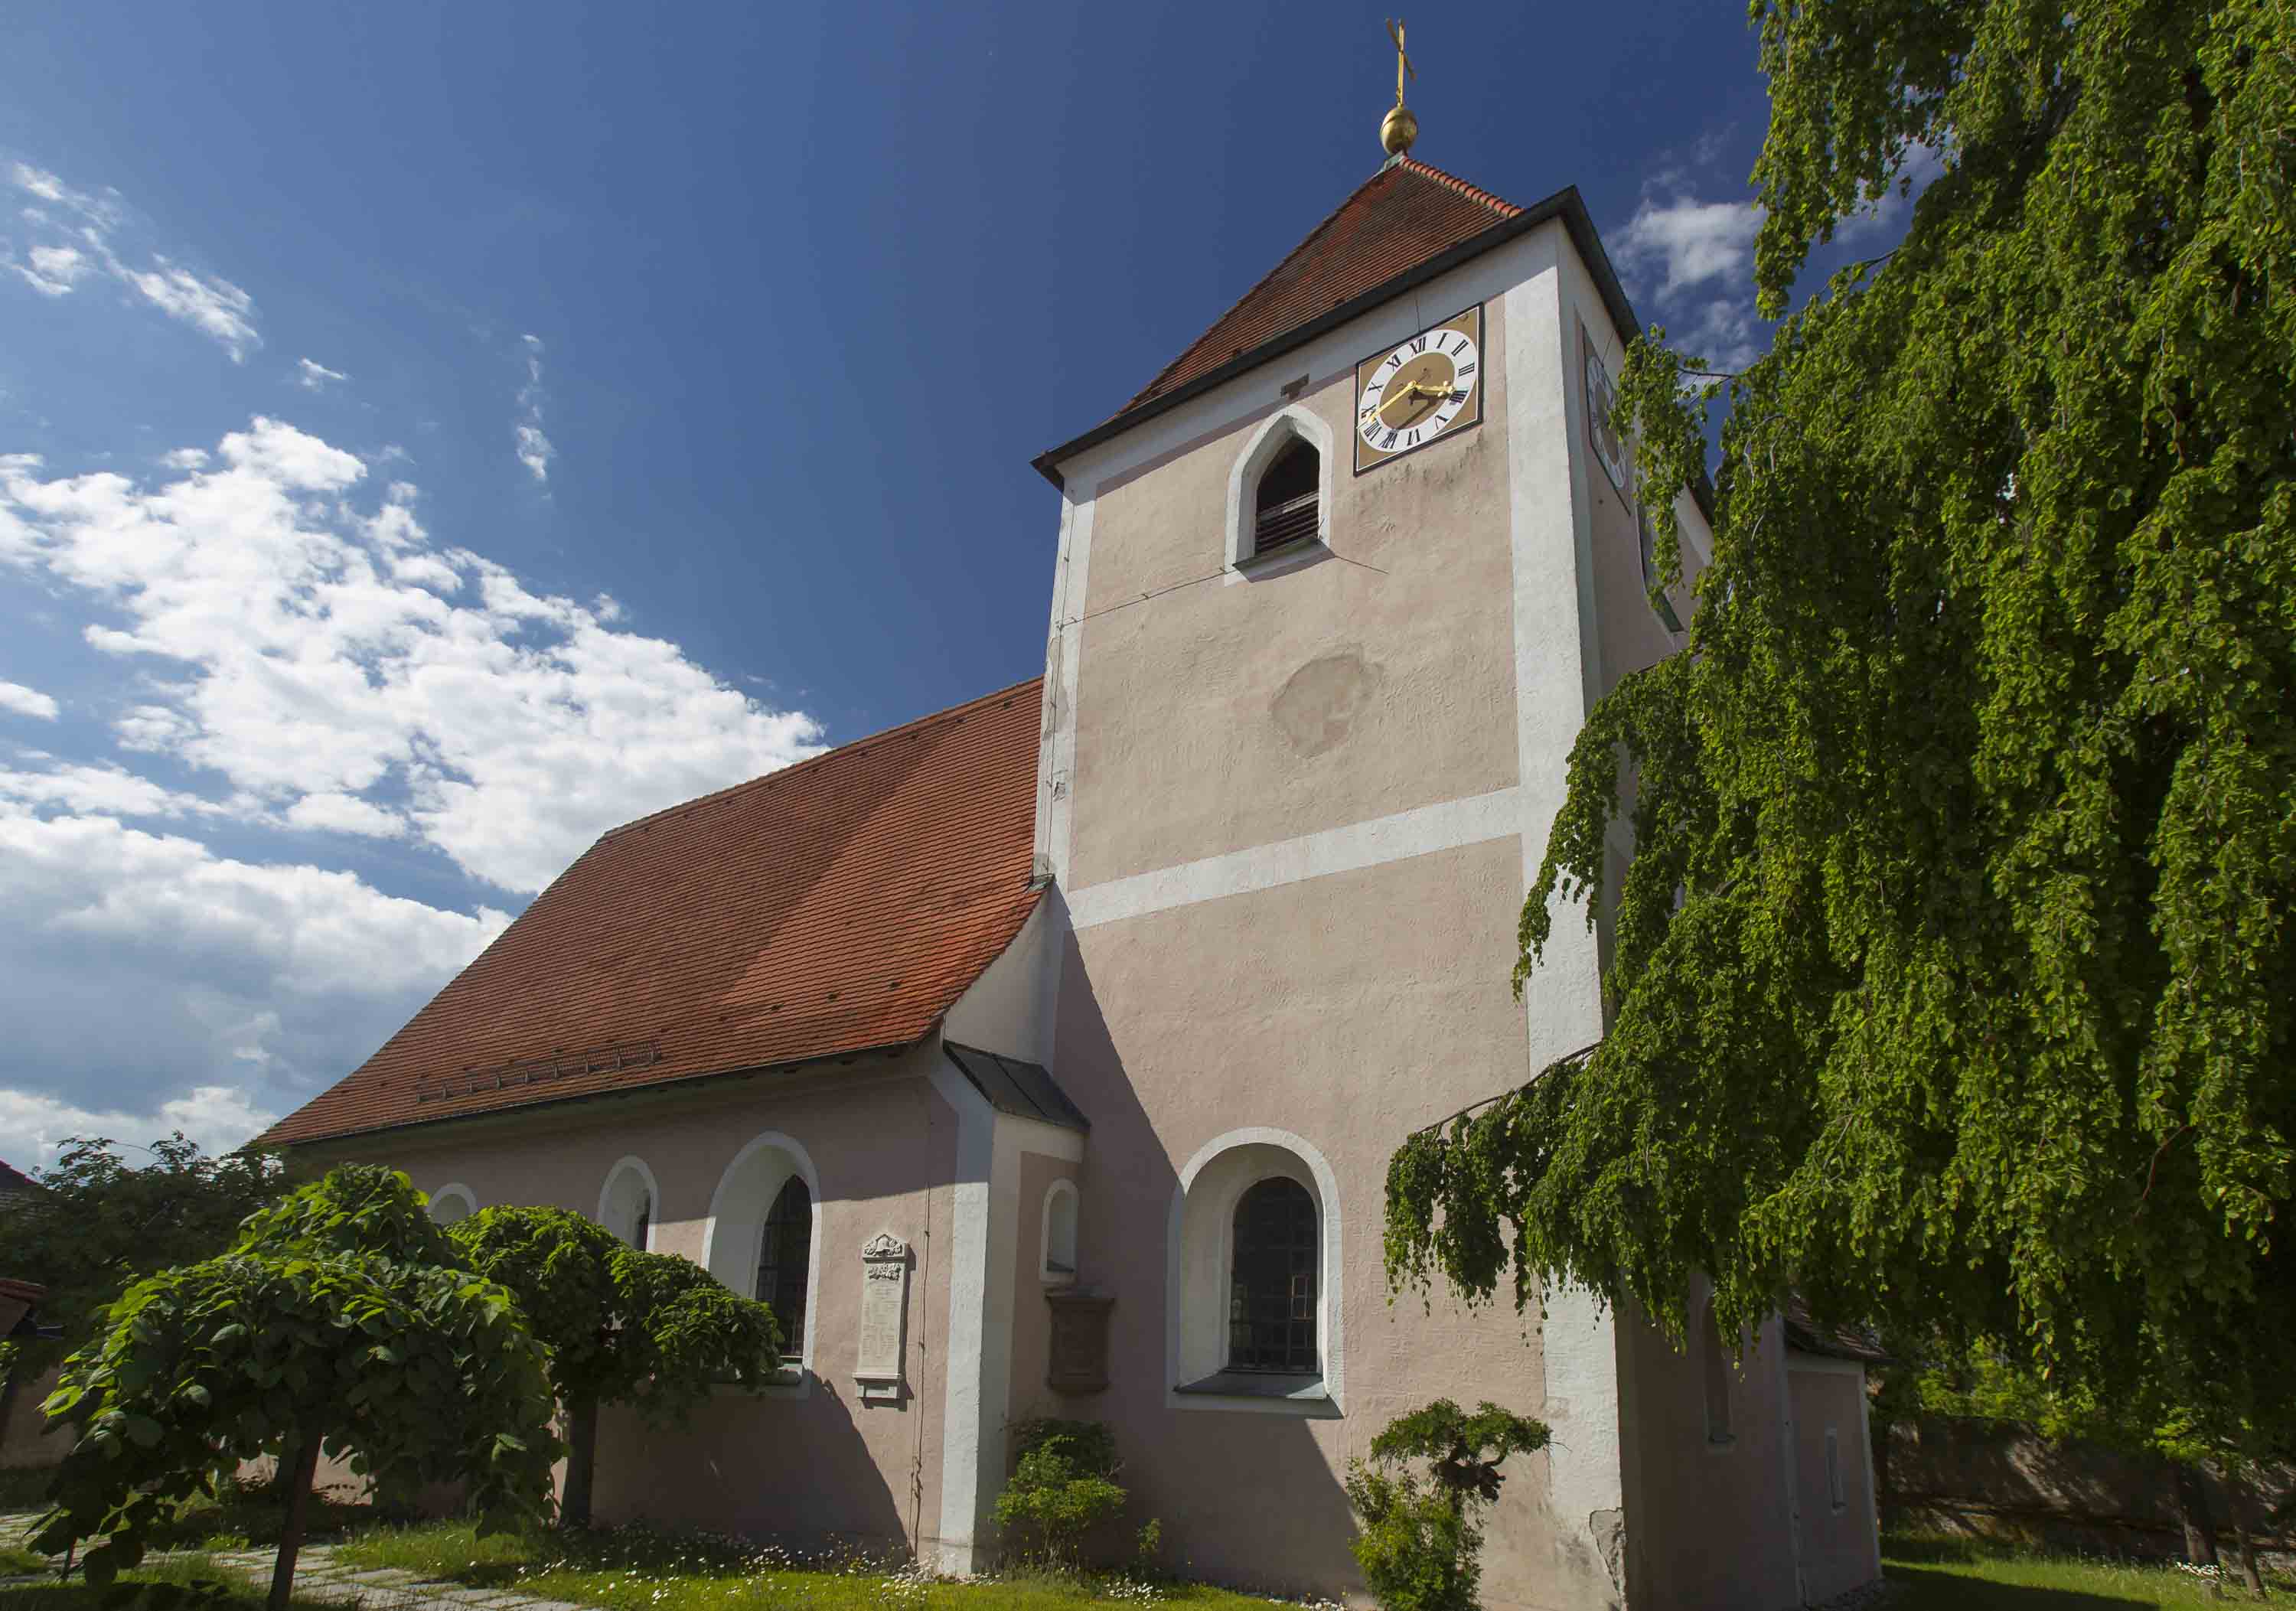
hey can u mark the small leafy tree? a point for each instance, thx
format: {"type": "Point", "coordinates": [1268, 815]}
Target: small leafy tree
{"type": "Point", "coordinates": [1064, 1482]}
{"type": "Point", "coordinates": [100, 1220]}
{"type": "Point", "coordinates": [1420, 1548]}
{"type": "Point", "coordinates": [651, 1330]}
{"type": "Point", "coordinates": [316, 1333]}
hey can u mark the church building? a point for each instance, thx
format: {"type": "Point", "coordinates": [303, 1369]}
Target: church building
{"type": "Point", "coordinates": [1044, 1056]}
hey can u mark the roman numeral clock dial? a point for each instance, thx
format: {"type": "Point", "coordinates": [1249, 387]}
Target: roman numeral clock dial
{"type": "Point", "coordinates": [1415, 393]}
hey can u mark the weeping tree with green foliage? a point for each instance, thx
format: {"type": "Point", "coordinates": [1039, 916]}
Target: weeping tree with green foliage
{"type": "Point", "coordinates": [650, 1330]}
{"type": "Point", "coordinates": [341, 1322]}
{"type": "Point", "coordinates": [1953, 979]}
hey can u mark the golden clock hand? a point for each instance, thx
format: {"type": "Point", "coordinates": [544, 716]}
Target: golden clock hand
{"type": "Point", "coordinates": [1413, 393]}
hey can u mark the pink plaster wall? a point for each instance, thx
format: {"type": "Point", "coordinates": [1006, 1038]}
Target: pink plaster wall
{"type": "Point", "coordinates": [1348, 1009]}
{"type": "Point", "coordinates": [1709, 1524]}
{"type": "Point", "coordinates": [1032, 1320]}
{"type": "Point", "coordinates": [804, 1463]}
{"type": "Point", "coordinates": [1838, 1545]}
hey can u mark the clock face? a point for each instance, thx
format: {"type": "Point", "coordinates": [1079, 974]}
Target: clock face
{"type": "Point", "coordinates": [1413, 394]}
{"type": "Point", "coordinates": [1601, 396]}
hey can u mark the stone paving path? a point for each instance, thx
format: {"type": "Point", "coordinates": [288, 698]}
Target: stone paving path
{"type": "Point", "coordinates": [320, 1576]}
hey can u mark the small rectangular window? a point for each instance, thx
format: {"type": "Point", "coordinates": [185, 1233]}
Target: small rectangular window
{"type": "Point", "coordinates": [1834, 1469]}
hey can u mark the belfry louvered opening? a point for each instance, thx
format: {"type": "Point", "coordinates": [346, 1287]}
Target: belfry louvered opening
{"type": "Point", "coordinates": [1286, 509]}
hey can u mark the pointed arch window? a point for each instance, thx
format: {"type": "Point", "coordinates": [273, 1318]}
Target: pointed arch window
{"type": "Point", "coordinates": [1279, 495]}
{"type": "Point", "coordinates": [784, 1248]}
{"type": "Point", "coordinates": [1272, 1287]}
{"type": "Point", "coordinates": [1287, 503]}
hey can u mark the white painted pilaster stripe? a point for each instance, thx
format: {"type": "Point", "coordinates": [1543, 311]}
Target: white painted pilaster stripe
{"type": "Point", "coordinates": [1446, 826]}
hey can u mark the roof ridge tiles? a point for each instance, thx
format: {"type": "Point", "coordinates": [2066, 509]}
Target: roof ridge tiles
{"type": "Point", "coordinates": [1474, 192]}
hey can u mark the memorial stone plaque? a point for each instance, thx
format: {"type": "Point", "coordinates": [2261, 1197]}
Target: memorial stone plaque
{"type": "Point", "coordinates": [1078, 1361]}
{"type": "Point", "coordinates": [884, 1317]}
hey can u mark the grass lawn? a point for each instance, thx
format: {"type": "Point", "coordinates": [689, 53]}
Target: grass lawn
{"type": "Point", "coordinates": [632, 1569]}
{"type": "Point", "coordinates": [1958, 1574]}
{"type": "Point", "coordinates": [77, 1596]}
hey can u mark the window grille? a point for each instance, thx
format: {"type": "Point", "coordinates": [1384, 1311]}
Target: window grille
{"type": "Point", "coordinates": [1286, 509]}
{"type": "Point", "coordinates": [645, 1221]}
{"type": "Point", "coordinates": [784, 1247]}
{"type": "Point", "coordinates": [1273, 1284]}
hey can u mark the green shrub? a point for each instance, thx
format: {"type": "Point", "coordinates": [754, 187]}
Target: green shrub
{"type": "Point", "coordinates": [1420, 1548]}
{"type": "Point", "coordinates": [1064, 1482]}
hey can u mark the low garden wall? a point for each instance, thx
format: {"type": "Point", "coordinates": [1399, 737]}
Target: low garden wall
{"type": "Point", "coordinates": [2000, 1481]}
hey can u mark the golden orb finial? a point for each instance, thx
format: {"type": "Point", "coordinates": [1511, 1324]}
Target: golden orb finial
{"type": "Point", "coordinates": [1399, 127]}
{"type": "Point", "coordinates": [1397, 130]}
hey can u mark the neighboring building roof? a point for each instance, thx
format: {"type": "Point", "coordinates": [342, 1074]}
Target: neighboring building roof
{"type": "Point", "coordinates": [1405, 225]}
{"type": "Point", "coordinates": [14, 1183]}
{"type": "Point", "coordinates": [1014, 1087]}
{"type": "Point", "coordinates": [1396, 220]}
{"type": "Point", "coordinates": [1806, 1334]}
{"type": "Point", "coordinates": [840, 905]}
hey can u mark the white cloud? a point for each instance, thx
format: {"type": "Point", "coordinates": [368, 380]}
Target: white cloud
{"type": "Point", "coordinates": [195, 991]}
{"type": "Point", "coordinates": [34, 1128]}
{"type": "Point", "coordinates": [1688, 242]}
{"type": "Point", "coordinates": [346, 814]}
{"type": "Point", "coordinates": [110, 790]}
{"type": "Point", "coordinates": [1721, 330]}
{"type": "Point", "coordinates": [54, 270]}
{"type": "Point", "coordinates": [534, 448]}
{"type": "Point", "coordinates": [27, 702]}
{"type": "Point", "coordinates": [103, 211]}
{"type": "Point", "coordinates": [185, 458]}
{"type": "Point", "coordinates": [324, 655]}
{"type": "Point", "coordinates": [315, 377]}
{"type": "Point", "coordinates": [207, 302]}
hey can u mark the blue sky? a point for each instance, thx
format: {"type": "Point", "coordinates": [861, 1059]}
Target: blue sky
{"type": "Point", "coordinates": [430, 435]}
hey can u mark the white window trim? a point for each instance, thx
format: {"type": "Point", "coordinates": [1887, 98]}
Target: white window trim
{"type": "Point", "coordinates": [1329, 1331]}
{"type": "Point", "coordinates": [801, 1166]}
{"type": "Point", "coordinates": [635, 1166]}
{"type": "Point", "coordinates": [1288, 424]}
{"type": "Point", "coordinates": [469, 1199]}
{"type": "Point", "coordinates": [1045, 1270]}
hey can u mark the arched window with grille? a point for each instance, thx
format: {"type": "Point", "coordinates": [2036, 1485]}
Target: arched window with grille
{"type": "Point", "coordinates": [1279, 495]}
{"type": "Point", "coordinates": [1287, 507]}
{"type": "Point", "coordinates": [628, 1202]}
{"type": "Point", "coordinates": [784, 1249]}
{"type": "Point", "coordinates": [1273, 1280]}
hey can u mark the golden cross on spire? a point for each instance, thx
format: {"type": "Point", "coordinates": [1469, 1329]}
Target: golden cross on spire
{"type": "Point", "coordinates": [1399, 127]}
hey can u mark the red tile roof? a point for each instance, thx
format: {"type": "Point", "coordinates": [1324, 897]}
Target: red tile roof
{"type": "Point", "coordinates": [835, 905]}
{"type": "Point", "coordinates": [1402, 215]}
